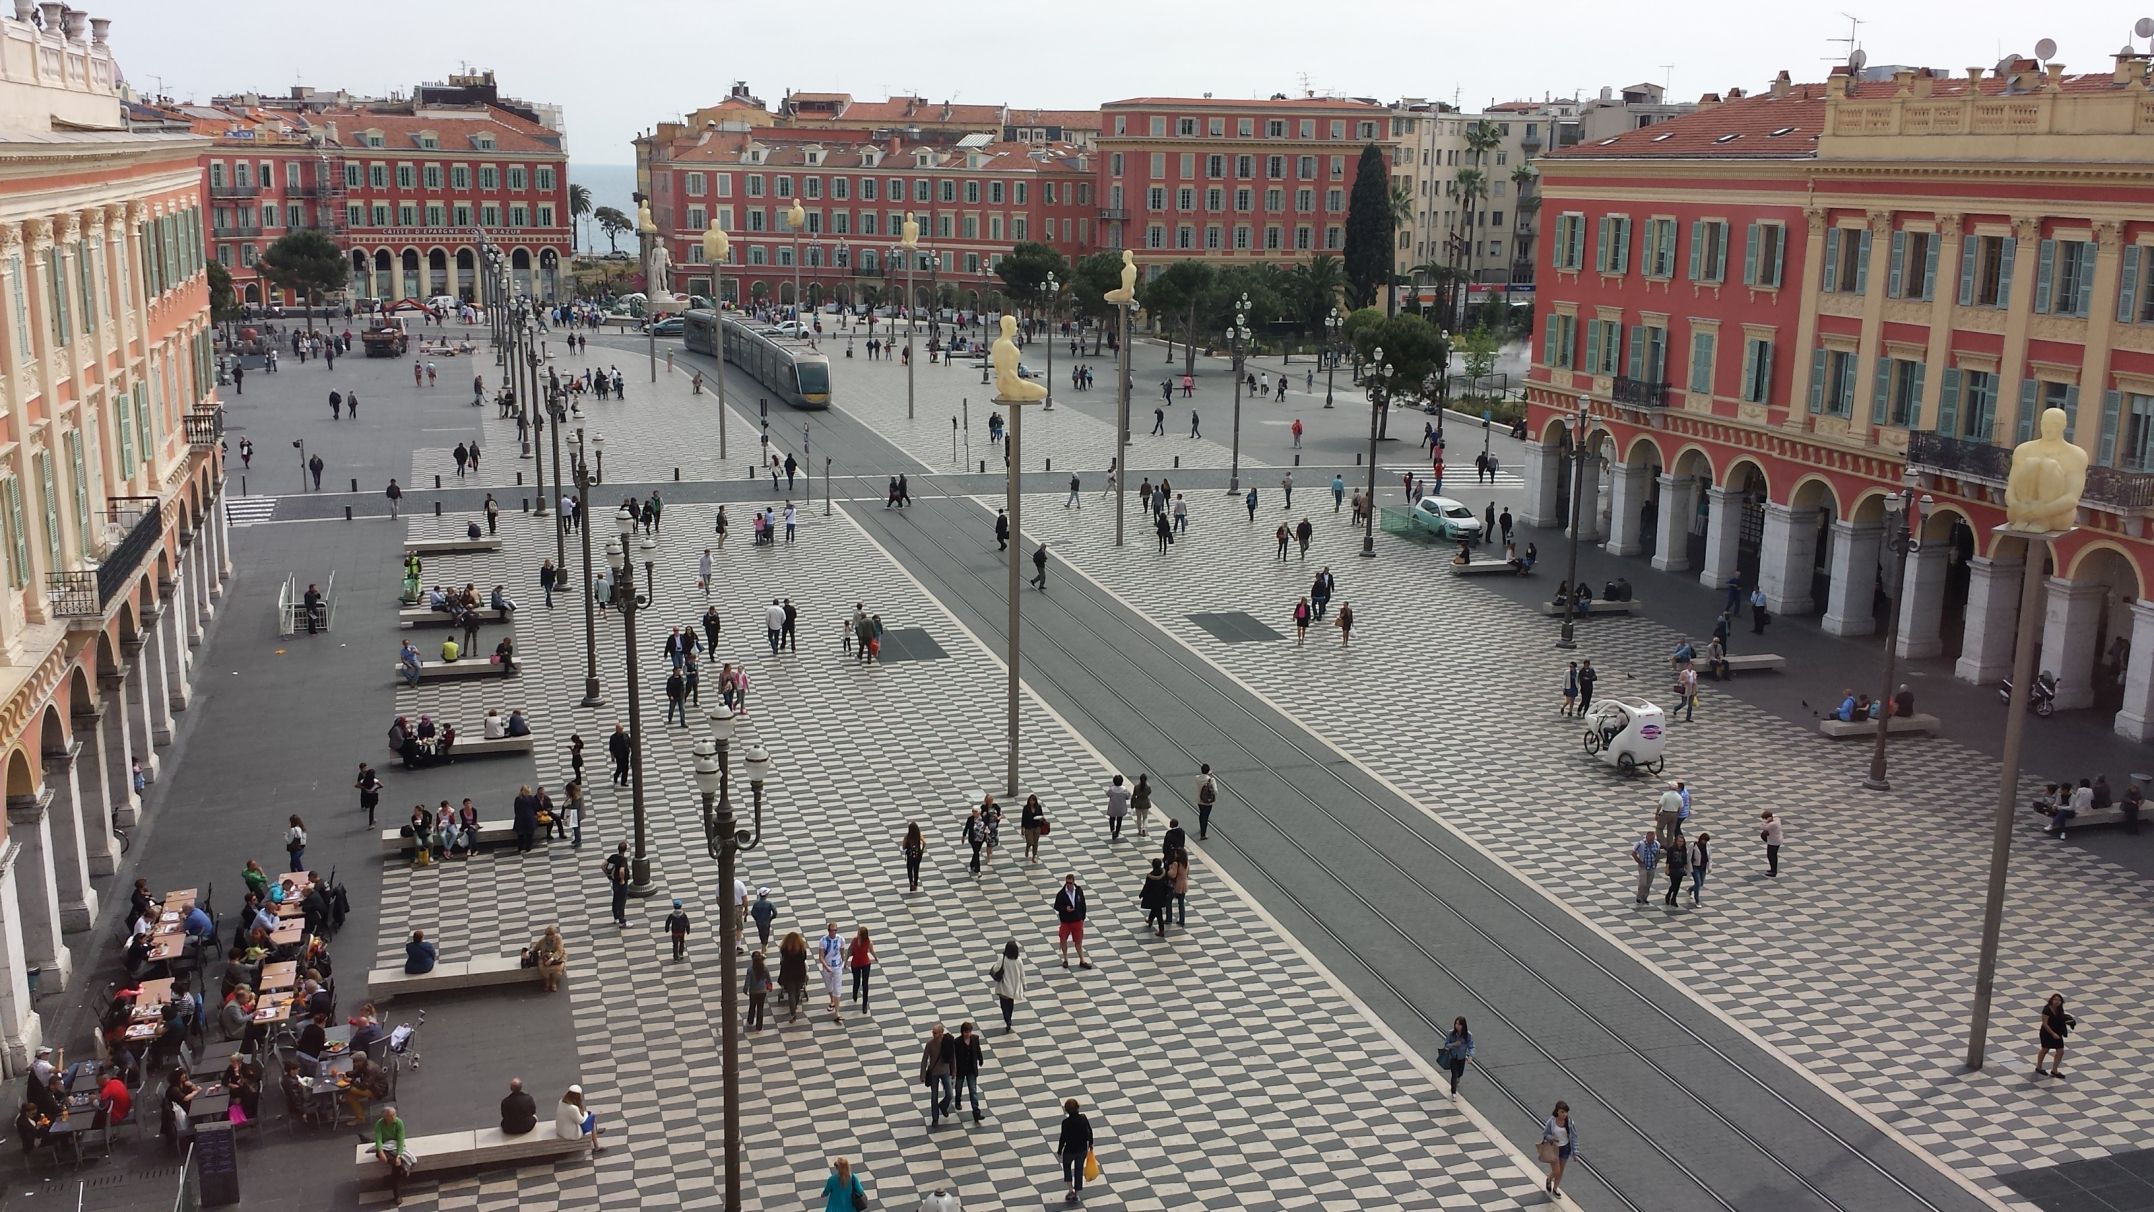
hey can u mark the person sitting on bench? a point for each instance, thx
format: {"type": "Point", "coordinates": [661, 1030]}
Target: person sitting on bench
{"type": "Point", "coordinates": [518, 725]}
{"type": "Point", "coordinates": [500, 601]}
{"type": "Point", "coordinates": [495, 726]}
{"type": "Point", "coordinates": [505, 654]}
{"type": "Point", "coordinates": [451, 650]}
{"type": "Point", "coordinates": [419, 954]}
{"type": "Point", "coordinates": [1903, 703]}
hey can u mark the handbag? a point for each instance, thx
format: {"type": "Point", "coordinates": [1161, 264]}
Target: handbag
{"type": "Point", "coordinates": [995, 973]}
{"type": "Point", "coordinates": [1046, 827]}
{"type": "Point", "coordinates": [1091, 1166]}
{"type": "Point", "coordinates": [1547, 1151]}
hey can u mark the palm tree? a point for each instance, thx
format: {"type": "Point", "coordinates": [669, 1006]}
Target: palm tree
{"type": "Point", "coordinates": [579, 203]}
{"type": "Point", "coordinates": [1315, 289]}
{"type": "Point", "coordinates": [1472, 186]}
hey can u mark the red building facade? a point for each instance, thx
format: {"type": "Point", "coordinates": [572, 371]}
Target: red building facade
{"type": "Point", "coordinates": [1783, 308]}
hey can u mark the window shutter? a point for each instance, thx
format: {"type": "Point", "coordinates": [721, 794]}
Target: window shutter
{"type": "Point", "coordinates": [1832, 260]}
{"type": "Point", "coordinates": [2128, 288]}
{"type": "Point", "coordinates": [1817, 380]}
{"type": "Point", "coordinates": [1622, 246]}
{"type": "Point", "coordinates": [1914, 396]}
{"type": "Point", "coordinates": [1697, 246]}
{"type": "Point", "coordinates": [1701, 361]}
{"type": "Point", "coordinates": [1780, 257]}
{"type": "Point", "coordinates": [127, 435]}
{"type": "Point", "coordinates": [2071, 412]}
{"type": "Point", "coordinates": [1929, 268]}
{"type": "Point", "coordinates": [1862, 261]}
{"type": "Point", "coordinates": [1600, 245]}
{"type": "Point", "coordinates": [2029, 390]}
{"type": "Point", "coordinates": [1899, 262]}
{"type": "Point", "coordinates": [2112, 404]}
{"type": "Point", "coordinates": [1548, 342]}
{"type": "Point", "coordinates": [2004, 271]}
{"type": "Point", "coordinates": [1593, 347]}
{"type": "Point", "coordinates": [1638, 368]}
{"type": "Point", "coordinates": [1765, 373]}
{"type": "Point", "coordinates": [2045, 274]}
{"type": "Point", "coordinates": [2084, 298]}
{"type": "Point", "coordinates": [1578, 242]}
{"type": "Point", "coordinates": [1882, 397]}
{"type": "Point", "coordinates": [1948, 404]}
{"type": "Point", "coordinates": [1750, 257]}
{"type": "Point", "coordinates": [1968, 247]}
{"type": "Point", "coordinates": [1750, 368]}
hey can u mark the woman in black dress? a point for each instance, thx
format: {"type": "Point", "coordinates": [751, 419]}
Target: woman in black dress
{"type": "Point", "coordinates": [2056, 1024]}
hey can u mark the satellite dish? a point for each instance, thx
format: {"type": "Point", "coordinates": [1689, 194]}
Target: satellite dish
{"type": "Point", "coordinates": [1858, 59]}
{"type": "Point", "coordinates": [2046, 49]}
{"type": "Point", "coordinates": [2144, 27]}
{"type": "Point", "coordinates": [2004, 65]}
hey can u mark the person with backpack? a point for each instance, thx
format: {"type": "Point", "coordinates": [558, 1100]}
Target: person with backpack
{"type": "Point", "coordinates": [1207, 798]}
{"type": "Point", "coordinates": [677, 929]}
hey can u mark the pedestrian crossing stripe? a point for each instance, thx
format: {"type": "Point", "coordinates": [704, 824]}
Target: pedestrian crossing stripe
{"type": "Point", "coordinates": [248, 511]}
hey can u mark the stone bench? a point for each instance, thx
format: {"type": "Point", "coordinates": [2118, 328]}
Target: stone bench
{"type": "Point", "coordinates": [1842, 730]}
{"type": "Point", "coordinates": [1488, 568]}
{"type": "Point", "coordinates": [422, 617]}
{"type": "Point", "coordinates": [481, 747]}
{"type": "Point", "coordinates": [393, 841]}
{"type": "Point", "coordinates": [452, 546]}
{"type": "Point", "coordinates": [1756, 662]}
{"type": "Point", "coordinates": [480, 1147]}
{"type": "Point", "coordinates": [477, 973]}
{"type": "Point", "coordinates": [1596, 606]}
{"type": "Point", "coordinates": [457, 671]}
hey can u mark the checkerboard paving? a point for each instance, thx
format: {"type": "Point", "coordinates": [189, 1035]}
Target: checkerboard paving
{"type": "Point", "coordinates": [1186, 1051]}
{"type": "Point", "coordinates": [1857, 962]}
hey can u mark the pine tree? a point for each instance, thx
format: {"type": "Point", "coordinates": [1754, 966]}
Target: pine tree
{"type": "Point", "coordinates": [1368, 228]}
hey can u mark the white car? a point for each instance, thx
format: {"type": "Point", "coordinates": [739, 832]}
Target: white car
{"type": "Point", "coordinates": [444, 302]}
{"type": "Point", "coordinates": [1446, 518]}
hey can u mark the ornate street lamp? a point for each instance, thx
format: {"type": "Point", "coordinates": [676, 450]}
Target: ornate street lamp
{"type": "Point", "coordinates": [630, 603]}
{"type": "Point", "coordinates": [716, 248]}
{"type": "Point", "coordinates": [1053, 285]}
{"type": "Point", "coordinates": [1376, 406]}
{"type": "Point", "coordinates": [1580, 461]}
{"type": "Point", "coordinates": [1333, 325]}
{"type": "Point", "coordinates": [1902, 535]}
{"type": "Point", "coordinates": [1237, 335]}
{"type": "Point", "coordinates": [724, 841]}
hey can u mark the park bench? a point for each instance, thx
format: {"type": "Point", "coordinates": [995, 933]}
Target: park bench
{"type": "Point", "coordinates": [467, 747]}
{"type": "Point", "coordinates": [420, 616]}
{"type": "Point", "coordinates": [1842, 730]}
{"type": "Point", "coordinates": [1757, 662]}
{"type": "Point", "coordinates": [480, 1147]}
{"type": "Point", "coordinates": [1596, 606]}
{"type": "Point", "coordinates": [452, 546]}
{"type": "Point", "coordinates": [476, 973]}
{"type": "Point", "coordinates": [1488, 568]}
{"type": "Point", "coordinates": [393, 841]}
{"type": "Point", "coordinates": [456, 671]}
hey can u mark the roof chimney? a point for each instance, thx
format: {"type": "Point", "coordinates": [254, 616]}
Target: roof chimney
{"type": "Point", "coordinates": [1781, 83]}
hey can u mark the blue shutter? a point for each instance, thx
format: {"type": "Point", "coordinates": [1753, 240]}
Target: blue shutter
{"type": "Point", "coordinates": [1817, 380]}
{"type": "Point", "coordinates": [1612, 348]}
{"type": "Point", "coordinates": [1882, 397]}
{"type": "Point", "coordinates": [1968, 246]}
{"type": "Point", "coordinates": [1750, 369]}
{"type": "Point", "coordinates": [1929, 267]}
{"type": "Point", "coordinates": [1697, 247]}
{"type": "Point", "coordinates": [2084, 298]}
{"type": "Point", "coordinates": [2112, 403]}
{"type": "Point", "coordinates": [1638, 367]}
{"type": "Point", "coordinates": [1832, 260]}
{"type": "Point", "coordinates": [1914, 396]}
{"type": "Point", "coordinates": [1548, 342]}
{"type": "Point", "coordinates": [2128, 288]}
{"type": "Point", "coordinates": [1862, 261]}
{"type": "Point", "coordinates": [1780, 257]}
{"type": "Point", "coordinates": [1578, 241]}
{"type": "Point", "coordinates": [1948, 404]}
{"type": "Point", "coordinates": [2028, 389]}
{"type": "Point", "coordinates": [1701, 360]}
{"type": "Point", "coordinates": [1600, 245]}
{"type": "Point", "coordinates": [2044, 274]}
{"type": "Point", "coordinates": [2004, 271]}
{"type": "Point", "coordinates": [2071, 412]}
{"type": "Point", "coordinates": [1899, 263]}
{"type": "Point", "coordinates": [1983, 424]}
{"type": "Point", "coordinates": [1593, 347]}
{"type": "Point", "coordinates": [1750, 257]}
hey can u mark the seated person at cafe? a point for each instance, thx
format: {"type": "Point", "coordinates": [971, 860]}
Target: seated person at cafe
{"type": "Point", "coordinates": [518, 725]}
{"type": "Point", "coordinates": [238, 1011]}
{"type": "Point", "coordinates": [419, 955]}
{"type": "Point", "coordinates": [179, 1100]}
{"type": "Point", "coordinates": [256, 879]}
{"type": "Point", "coordinates": [366, 1027]}
{"type": "Point", "coordinates": [318, 908]}
{"type": "Point", "coordinates": [495, 726]}
{"type": "Point", "coordinates": [243, 1078]}
{"type": "Point", "coordinates": [369, 1081]}
{"type": "Point", "coordinates": [317, 996]}
{"type": "Point", "coordinates": [313, 1040]}
{"type": "Point", "coordinates": [140, 902]}
{"type": "Point", "coordinates": [263, 916]}
{"type": "Point", "coordinates": [519, 1111]}
{"type": "Point", "coordinates": [115, 1102]}
{"type": "Point", "coordinates": [450, 649]}
{"type": "Point", "coordinates": [31, 1125]}
{"type": "Point", "coordinates": [138, 952]}
{"type": "Point", "coordinates": [283, 890]}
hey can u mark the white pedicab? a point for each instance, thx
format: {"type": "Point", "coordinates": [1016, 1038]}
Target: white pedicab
{"type": "Point", "coordinates": [1628, 734]}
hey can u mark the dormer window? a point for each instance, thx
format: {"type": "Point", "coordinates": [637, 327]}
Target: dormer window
{"type": "Point", "coordinates": [484, 142]}
{"type": "Point", "coordinates": [374, 138]}
{"type": "Point", "coordinates": [429, 140]}
{"type": "Point", "coordinates": [921, 159]}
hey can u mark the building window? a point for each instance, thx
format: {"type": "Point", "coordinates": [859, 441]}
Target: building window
{"type": "Point", "coordinates": [1569, 251]}
{"type": "Point", "coordinates": [922, 191]}
{"type": "Point", "coordinates": [377, 176]}
{"type": "Point", "coordinates": [1847, 261]}
{"type": "Point", "coordinates": [462, 212]}
{"type": "Point", "coordinates": [1185, 198]}
{"type": "Point", "coordinates": [1244, 199]}
{"type": "Point", "coordinates": [18, 571]}
{"type": "Point", "coordinates": [1649, 354]}
{"type": "Point", "coordinates": [972, 193]}
{"type": "Point", "coordinates": [1967, 405]}
{"type": "Point", "coordinates": [1155, 198]}
{"type": "Point", "coordinates": [543, 178]}
{"type": "Point", "coordinates": [1898, 394]}
{"type": "Point", "coordinates": [1986, 271]}
{"type": "Point", "coordinates": [41, 466]}
{"type": "Point", "coordinates": [403, 176]}
{"type": "Point", "coordinates": [16, 293]}
{"type": "Point", "coordinates": [1764, 255]}
{"type": "Point", "coordinates": [1914, 265]}
{"type": "Point", "coordinates": [1611, 247]}
{"type": "Point", "coordinates": [1274, 200]}
{"type": "Point", "coordinates": [1832, 382]}
{"type": "Point", "coordinates": [1334, 199]}
{"type": "Point", "coordinates": [1185, 127]}
{"type": "Point", "coordinates": [2064, 278]}
{"type": "Point", "coordinates": [1303, 237]}
{"type": "Point", "coordinates": [56, 283]}
{"type": "Point", "coordinates": [459, 176]}
{"type": "Point", "coordinates": [1158, 128]}
{"type": "Point", "coordinates": [545, 215]}
{"type": "Point", "coordinates": [1214, 198]}
{"type": "Point", "coordinates": [1271, 238]}
{"type": "Point", "coordinates": [432, 176]}
{"type": "Point", "coordinates": [434, 214]}
{"type": "Point", "coordinates": [1155, 236]}
{"type": "Point", "coordinates": [1702, 342]}
{"type": "Point", "coordinates": [782, 187]}
{"type": "Point", "coordinates": [1241, 236]}
{"type": "Point", "coordinates": [1559, 340]}
{"type": "Point", "coordinates": [2136, 452]}
{"type": "Point", "coordinates": [1757, 369]}
{"type": "Point", "coordinates": [489, 177]}
{"type": "Point", "coordinates": [1304, 199]}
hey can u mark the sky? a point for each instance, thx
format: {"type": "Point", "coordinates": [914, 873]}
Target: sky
{"type": "Point", "coordinates": [618, 68]}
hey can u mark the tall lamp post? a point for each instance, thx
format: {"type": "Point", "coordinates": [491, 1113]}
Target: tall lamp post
{"type": "Point", "coordinates": [1902, 526]}
{"type": "Point", "coordinates": [648, 235]}
{"type": "Point", "coordinates": [592, 695]}
{"type": "Point", "coordinates": [1333, 323]}
{"type": "Point", "coordinates": [558, 412]}
{"type": "Point", "coordinates": [630, 603]}
{"type": "Point", "coordinates": [1053, 285]}
{"type": "Point", "coordinates": [910, 244]}
{"type": "Point", "coordinates": [724, 841]}
{"type": "Point", "coordinates": [1376, 407]}
{"type": "Point", "coordinates": [797, 218]}
{"type": "Point", "coordinates": [1237, 334]}
{"type": "Point", "coordinates": [1121, 413]}
{"type": "Point", "coordinates": [1579, 462]}
{"type": "Point", "coordinates": [715, 250]}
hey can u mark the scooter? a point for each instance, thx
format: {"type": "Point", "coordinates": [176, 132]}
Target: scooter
{"type": "Point", "coordinates": [2043, 701]}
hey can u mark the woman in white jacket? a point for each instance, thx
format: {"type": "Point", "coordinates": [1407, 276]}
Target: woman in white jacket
{"type": "Point", "coordinates": [573, 1121]}
{"type": "Point", "coordinates": [1008, 974]}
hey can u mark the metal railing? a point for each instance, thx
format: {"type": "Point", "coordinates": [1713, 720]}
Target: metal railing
{"type": "Point", "coordinates": [235, 229]}
{"type": "Point", "coordinates": [205, 428]}
{"type": "Point", "coordinates": [1640, 393]}
{"type": "Point", "coordinates": [229, 190]}
{"type": "Point", "coordinates": [73, 595]}
{"type": "Point", "coordinates": [1929, 450]}
{"type": "Point", "coordinates": [85, 593]}
{"type": "Point", "coordinates": [2118, 488]}
{"type": "Point", "coordinates": [1113, 213]}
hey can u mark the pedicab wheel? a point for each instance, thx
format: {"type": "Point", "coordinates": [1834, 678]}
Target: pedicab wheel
{"type": "Point", "coordinates": [1626, 763]}
{"type": "Point", "coordinates": [1593, 740]}
{"type": "Point", "coordinates": [2045, 708]}
{"type": "Point", "coordinates": [1659, 764]}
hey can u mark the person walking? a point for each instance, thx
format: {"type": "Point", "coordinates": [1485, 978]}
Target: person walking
{"type": "Point", "coordinates": [677, 929]}
{"type": "Point", "coordinates": [1073, 501]}
{"type": "Point", "coordinates": [493, 515]}
{"type": "Point", "coordinates": [1118, 796]}
{"type": "Point", "coordinates": [1677, 854]}
{"type": "Point", "coordinates": [617, 876]}
{"type": "Point", "coordinates": [393, 492]}
{"type": "Point", "coordinates": [967, 1056]}
{"type": "Point", "coordinates": [1457, 1049]}
{"type": "Point", "coordinates": [1770, 833]}
{"type": "Point", "coordinates": [1140, 802]}
{"type": "Point", "coordinates": [758, 990]}
{"type": "Point", "coordinates": [1586, 678]}
{"type": "Point", "coordinates": [1002, 530]}
{"type": "Point", "coordinates": [1668, 815]}
{"type": "Point", "coordinates": [1345, 624]}
{"type": "Point", "coordinates": [1286, 486]}
{"type": "Point", "coordinates": [703, 572]}
{"type": "Point", "coordinates": [549, 578]}
{"type": "Point", "coordinates": [1156, 897]}
{"type": "Point", "coordinates": [1570, 690]}
{"type": "Point", "coordinates": [774, 624]}
{"type": "Point", "coordinates": [618, 747]}
{"type": "Point", "coordinates": [842, 1191]}
{"type": "Point", "coordinates": [1701, 856]}
{"type": "Point", "coordinates": [369, 787]}
{"type": "Point", "coordinates": [295, 842]}
{"type": "Point", "coordinates": [1008, 976]}
{"type": "Point", "coordinates": [1074, 1148]}
{"type": "Point", "coordinates": [861, 956]}
{"type": "Point", "coordinates": [1039, 567]}
{"type": "Point", "coordinates": [1559, 1141]}
{"type": "Point", "coordinates": [1645, 855]}
{"type": "Point", "coordinates": [793, 973]}
{"type": "Point", "coordinates": [1249, 502]}
{"type": "Point", "coordinates": [1759, 615]}
{"type": "Point", "coordinates": [677, 698]}
{"type": "Point", "coordinates": [975, 836]}
{"type": "Point", "coordinates": [1032, 823]}
{"type": "Point", "coordinates": [1686, 690]}
{"type": "Point", "coordinates": [2056, 1024]}
{"type": "Point", "coordinates": [1162, 531]}
{"type": "Point", "coordinates": [833, 951]}
{"type": "Point", "coordinates": [1280, 536]}
{"type": "Point", "coordinates": [1302, 534]}
{"type": "Point", "coordinates": [1177, 868]}
{"type": "Point", "coordinates": [1207, 799]}
{"type": "Point", "coordinates": [1070, 913]}
{"type": "Point", "coordinates": [915, 848]}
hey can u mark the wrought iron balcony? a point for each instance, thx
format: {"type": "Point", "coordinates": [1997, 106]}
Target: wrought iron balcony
{"type": "Point", "coordinates": [1640, 393]}
{"type": "Point", "coordinates": [230, 190]}
{"type": "Point", "coordinates": [137, 521]}
{"type": "Point", "coordinates": [205, 427]}
{"type": "Point", "coordinates": [234, 231]}
{"type": "Point", "coordinates": [1961, 458]}
{"type": "Point", "coordinates": [1113, 214]}
{"type": "Point", "coordinates": [317, 189]}
{"type": "Point", "coordinates": [2119, 489]}
{"type": "Point", "coordinates": [73, 595]}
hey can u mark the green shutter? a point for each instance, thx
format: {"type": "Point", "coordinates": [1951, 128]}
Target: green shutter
{"type": "Point", "coordinates": [1969, 245]}
{"type": "Point", "coordinates": [1622, 247]}
{"type": "Point", "coordinates": [2112, 404]}
{"type": "Point", "coordinates": [85, 271]}
{"type": "Point", "coordinates": [1881, 398]}
{"type": "Point", "coordinates": [1548, 342]}
{"type": "Point", "coordinates": [1780, 256]}
{"type": "Point", "coordinates": [2084, 299]}
{"type": "Point", "coordinates": [2045, 274]}
{"type": "Point", "coordinates": [1593, 347]}
{"type": "Point", "coordinates": [2071, 412]}
{"type": "Point", "coordinates": [1948, 403]}
{"type": "Point", "coordinates": [1897, 276]}
{"type": "Point", "coordinates": [50, 490]}
{"type": "Point", "coordinates": [2004, 272]}
{"type": "Point", "coordinates": [1929, 267]}
{"type": "Point", "coordinates": [1817, 380]}
{"type": "Point", "coordinates": [1701, 361]}
{"type": "Point", "coordinates": [1600, 245]}
{"type": "Point", "coordinates": [1832, 260]}
{"type": "Point", "coordinates": [1750, 369]}
{"type": "Point", "coordinates": [18, 573]}
{"type": "Point", "coordinates": [1862, 262]}
{"type": "Point", "coordinates": [1578, 241]}
{"type": "Point", "coordinates": [1637, 368]}
{"type": "Point", "coordinates": [1914, 396]}
{"type": "Point", "coordinates": [81, 477]}
{"type": "Point", "coordinates": [1697, 247]}
{"type": "Point", "coordinates": [2029, 390]}
{"type": "Point", "coordinates": [1750, 257]}
{"type": "Point", "coordinates": [127, 434]}
{"type": "Point", "coordinates": [2128, 289]}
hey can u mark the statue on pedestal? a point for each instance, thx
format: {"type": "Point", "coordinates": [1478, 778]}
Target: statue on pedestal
{"type": "Point", "coordinates": [1128, 293]}
{"type": "Point", "coordinates": [2048, 476]}
{"type": "Point", "coordinates": [1009, 388]}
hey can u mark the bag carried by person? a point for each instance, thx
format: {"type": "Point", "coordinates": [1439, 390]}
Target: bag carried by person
{"type": "Point", "coordinates": [1547, 1151]}
{"type": "Point", "coordinates": [1046, 826]}
{"type": "Point", "coordinates": [1091, 1166]}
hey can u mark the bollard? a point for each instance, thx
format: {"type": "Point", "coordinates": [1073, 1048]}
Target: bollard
{"type": "Point", "coordinates": [676, 475]}
{"type": "Point", "coordinates": [355, 485]}
{"type": "Point", "coordinates": [1050, 464]}
{"type": "Point", "coordinates": [751, 472]}
{"type": "Point", "coordinates": [519, 479]}
{"type": "Point", "coordinates": [437, 483]}
{"type": "Point", "coordinates": [1177, 462]}
{"type": "Point", "coordinates": [1297, 460]}
{"type": "Point", "coordinates": [983, 467]}
{"type": "Point", "coordinates": [347, 513]}
{"type": "Point", "coordinates": [437, 509]}
{"type": "Point", "coordinates": [1357, 458]}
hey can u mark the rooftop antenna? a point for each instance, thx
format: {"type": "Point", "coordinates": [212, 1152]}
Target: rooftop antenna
{"type": "Point", "coordinates": [1853, 42]}
{"type": "Point", "coordinates": [1667, 77]}
{"type": "Point", "coordinates": [1306, 91]}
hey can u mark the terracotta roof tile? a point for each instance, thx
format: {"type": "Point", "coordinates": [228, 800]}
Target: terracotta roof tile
{"type": "Point", "coordinates": [1761, 127]}
{"type": "Point", "coordinates": [1254, 103]}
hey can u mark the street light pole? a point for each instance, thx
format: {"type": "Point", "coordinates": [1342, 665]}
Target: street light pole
{"type": "Point", "coordinates": [910, 243]}
{"type": "Point", "coordinates": [1331, 351]}
{"type": "Point", "coordinates": [592, 695]}
{"type": "Point", "coordinates": [1014, 504]}
{"type": "Point", "coordinates": [1052, 286]}
{"type": "Point", "coordinates": [1567, 639]}
{"type": "Point", "coordinates": [1235, 336]}
{"type": "Point", "coordinates": [1121, 417]}
{"type": "Point", "coordinates": [1368, 523]}
{"type": "Point", "coordinates": [1901, 526]}
{"type": "Point", "coordinates": [630, 603]}
{"type": "Point", "coordinates": [797, 218]}
{"type": "Point", "coordinates": [716, 247]}
{"type": "Point", "coordinates": [558, 412]}
{"type": "Point", "coordinates": [724, 840]}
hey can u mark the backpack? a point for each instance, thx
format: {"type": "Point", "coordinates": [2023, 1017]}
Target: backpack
{"type": "Point", "coordinates": [1208, 793]}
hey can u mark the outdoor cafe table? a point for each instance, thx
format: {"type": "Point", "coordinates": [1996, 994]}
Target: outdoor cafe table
{"type": "Point", "coordinates": [154, 993]}
{"type": "Point", "coordinates": [279, 976]}
{"type": "Point", "coordinates": [273, 1008]}
{"type": "Point", "coordinates": [171, 945]}
{"type": "Point", "coordinates": [288, 934]}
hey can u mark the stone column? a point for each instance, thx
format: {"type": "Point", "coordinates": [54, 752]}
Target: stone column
{"type": "Point", "coordinates": [2137, 719]}
{"type": "Point", "coordinates": [203, 609]}
{"type": "Point", "coordinates": [1855, 548]}
{"type": "Point", "coordinates": [70, 857]}
{"type": "Point", "coordinates": [1787, 558]}
{"type": "Point", "coordinates": [1626, 509]}
{"type": "Point", "coordinates": [221, 532]}
{"type": "Point", "coordinates": [1922, 617]}
{"type": "Point", "coordinates": [21, 1031]}
{"type": "Point", "coordinates": [28, 827]}
{"type": "Point", "coordinates": [1587, 525]}
{"type": "Point", "coordinates": [1678, 505]}
{"type": "Point", "coordinates": [172, 641]}
{"type": "Point", "coordinates": [148, 659]}
{"type": "Point", "coordinates": [118, 746]}
{"type": "Point", "coordinates": [190, 596]}
{"type": "Point", "coordinates": [100, 849]}
{"type": "Point", "coordinates": [1542, 470]}
{"type": "Point", "coordinates": [2069, 629]}
{"type": "Point", "coordinates": [1723, 537]}
{"type": "Point", "coordinates": [1992, 617]}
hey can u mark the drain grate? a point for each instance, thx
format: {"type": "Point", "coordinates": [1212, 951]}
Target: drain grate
{"type": "Point", "coordinates": [1235, 627]}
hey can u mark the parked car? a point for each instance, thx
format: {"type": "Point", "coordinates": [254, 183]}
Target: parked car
{"type": "Point", "coordinates": [669, 326]}
{"type": "Point", "coordinates": [1446, 519]}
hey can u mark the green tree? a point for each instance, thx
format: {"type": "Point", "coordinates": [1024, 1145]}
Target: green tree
{"type": "Point", "coordinates": [1413, 351]}
{"type": "Point", "coordinates": [223, 300]}
{"type": "Point", "coordinates": [1178, 297]}
{"type": "Point", "coordinates": [308, 263]}
{"type": "Point", "coordinates": [1090, 280]}
{"type": "Point", "coordinates": [615, 224]}
{"type": "Point", "coordinates": [1477, 350]}
{"type": "Point", "coordinates": [579, 203]}
{"type": "Point", "coordinates": [1024, 272]}
{"type": "Point", "coordinates": [1314, 290]}
{"type": "Point", "coordinates": [1368, 228]}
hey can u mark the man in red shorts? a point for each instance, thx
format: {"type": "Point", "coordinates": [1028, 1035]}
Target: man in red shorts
{"type": "Point", "coordinates": [1069, 907]}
